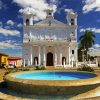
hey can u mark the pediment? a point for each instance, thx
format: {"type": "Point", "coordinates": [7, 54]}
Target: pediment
{"type": "Point", "coordinates": [50, 22]}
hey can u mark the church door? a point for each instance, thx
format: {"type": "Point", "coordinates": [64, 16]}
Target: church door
{"type": "Point", "coordinates": [49, 59]}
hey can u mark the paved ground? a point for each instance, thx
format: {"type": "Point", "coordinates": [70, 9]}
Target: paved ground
{"type": "Point", "coordinates": [11, 95]}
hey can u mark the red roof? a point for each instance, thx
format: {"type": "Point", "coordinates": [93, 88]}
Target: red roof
{"type": "Point", "coordinates": [4, 54]}
{"type": "Point", "coordinates": [14, 58]}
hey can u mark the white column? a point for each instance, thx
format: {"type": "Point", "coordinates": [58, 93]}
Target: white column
{"type": "Point", "coordinates": [31, 55]}
{"type": "Point", "coordinates": [28, 62]}
{"type": "Point", "coordinates": [24, 62]}
{"type": "Point", "coordinates": [96, 62]}
{"type": "Point", "coordinates": [72, 64]}
{"type": "Point", "coordinates": [69, 55]}
{"type": "Point", "coordinates": [60, 56]}
{"type": "Point", "coordinates": [44, 56]}
{"type": "Point", "coordinates": [55, 53]}
{"type": "Point", "coordinates": [77, 63]}
{"type": "Point", "coordinates": [39, 56]}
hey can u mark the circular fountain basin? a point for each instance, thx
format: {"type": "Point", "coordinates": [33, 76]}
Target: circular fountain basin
{"type": "Point", "coordinates": [52, 82]}
{"type": "Point", "coordinates": [53, 75]}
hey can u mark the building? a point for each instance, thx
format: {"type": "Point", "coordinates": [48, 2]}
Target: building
{"type": "Point", "coordinates": [17, 61]}
{"type": "Point", "coordinates": [3, 59]}
{"type": "Point", "coordinates": [50, 42]}
{"type": "Point", "coordinates": [96, 54]}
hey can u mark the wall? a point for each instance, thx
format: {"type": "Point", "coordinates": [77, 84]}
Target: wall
{"type": "Point", "coordinates": [16, 62]}
{"type": "Point", "coordinates": [4, 59]}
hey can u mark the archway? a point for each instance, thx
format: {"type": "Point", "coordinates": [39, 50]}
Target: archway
{"type": "Point", "coordinates": [63, 60]}
{"type": "Point", "coordinates": [49, 59]}
{"type": "Point", "coordinates": [27, 22]}
{"type": "Point", "coordinates": [35, 61]}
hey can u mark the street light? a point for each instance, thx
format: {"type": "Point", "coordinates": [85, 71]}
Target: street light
{"type": "Point", "coordinates": [83, 55]}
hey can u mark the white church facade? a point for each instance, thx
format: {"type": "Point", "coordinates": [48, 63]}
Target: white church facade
{"type": "Point", "coordinates": [50, 42]}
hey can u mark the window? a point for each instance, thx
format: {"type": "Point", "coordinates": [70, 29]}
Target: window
{"type": "Point", "coordinates": [49, 13]}
{"type": "Point", "coordinates": [72, 21]}
{"type": "Point", "coordinates": [72, 51]}
{"type": "Point", "coordinates": [27, 22]}
{"type": "Point", "coordinates": [73, 33]}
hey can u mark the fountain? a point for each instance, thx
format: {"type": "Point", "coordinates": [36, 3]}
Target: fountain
{"type": "Point", "coordinates": [57, 82]}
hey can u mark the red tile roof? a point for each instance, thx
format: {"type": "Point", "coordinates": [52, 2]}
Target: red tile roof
{"type": "Point", "coordinates": [14, 58]}
{"type": "Point", "coordinates": [3, 54]}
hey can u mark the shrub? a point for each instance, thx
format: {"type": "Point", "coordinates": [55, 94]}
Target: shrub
{"type": "Point", "coordinates": [39, 68]}
{"type": "Point", "coordinates": [10, 71]}
{"type": "Point", "coordinates": [86, 68]}
{"type": "Point", "coordinates": [2, 66]}
{"type": "Point", "coordinates": [42, 68]}
{"type": "Point", "coordinates": [25, 69]}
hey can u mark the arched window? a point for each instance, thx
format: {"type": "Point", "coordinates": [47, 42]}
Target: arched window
{"type": "Point", "coordinates": [63, 60]}
{"type": "Point", "coordinates": [27, 22]}
{"type": "Point", "coordinates": [49, 13]}
{"type": "Point", "coordinates": [72, 51]}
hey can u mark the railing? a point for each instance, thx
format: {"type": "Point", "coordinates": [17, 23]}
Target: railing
{"type": "Point", "coordinates": [45, 39]}
{"type": "Point", "coordinates": [90, 63]}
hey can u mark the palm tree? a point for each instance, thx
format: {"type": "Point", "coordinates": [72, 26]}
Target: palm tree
{"type": "Point", "coordinates": [86, 41]}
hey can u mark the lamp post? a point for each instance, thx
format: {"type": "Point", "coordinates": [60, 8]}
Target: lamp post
{"type": "Point", "coordinates": [87, 56]}
{"type": "Point", "coordinates": [83, 55]}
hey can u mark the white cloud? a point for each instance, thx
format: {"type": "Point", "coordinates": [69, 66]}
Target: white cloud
{"type": "Point", "coordinates": [98, 21]}
{"type": "Point", "coordinates": [91, 5]}
{"type": "Point", "coordinates": [7, 32]}
{"type": "Point", "coordinates": [68, 10]}
{"type": "Point", "coordinates": [2, 5]}
{"type": "Point", "coordinates": [54, 1]}
{"type": "Point", "coordinates": [37, 7]}
{"type": "Point", "coordinates": [96, 46]}
{"type": "Point", "coordinates": [95, 50]}
{"type": "Point", "coordinates": [9, 44]}
{"type": "Point", "coordinates": [10, 22]}
{"type": "Point", "coordinates": [1, 24]}
{"type": "Point", "coordinates": [18, 54]}
{"type": "Point", "coordinates": [7, 27]}
{"type": "Point", "coordinates": [95, 30]}
{"type": "Point", "coordinates": [61, 9]}
{"type": "Point", "coordinates": [19, 25]}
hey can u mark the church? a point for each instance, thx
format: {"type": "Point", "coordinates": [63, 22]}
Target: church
{"type": "Point", "coordinates": [50, 42]}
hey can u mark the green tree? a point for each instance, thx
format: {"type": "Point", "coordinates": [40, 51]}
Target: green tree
{"type": "Point", "coordinates": [86, 41]}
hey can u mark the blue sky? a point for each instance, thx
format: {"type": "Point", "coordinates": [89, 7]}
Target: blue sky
{"type": "Point", "coordinates": [11, 19]}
